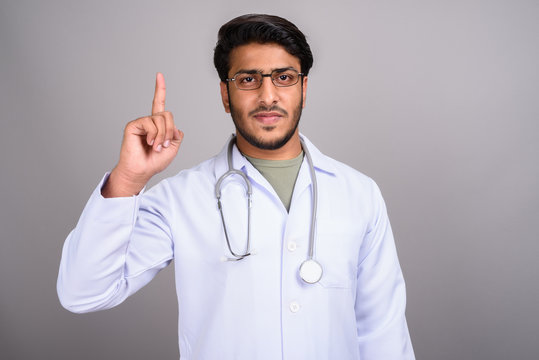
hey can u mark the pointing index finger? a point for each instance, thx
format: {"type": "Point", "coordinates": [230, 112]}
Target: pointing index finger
{"type": "Point", "coordinates": [159, 96]}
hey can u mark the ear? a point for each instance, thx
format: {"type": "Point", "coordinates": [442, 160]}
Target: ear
{"type": "Point", "coordinates": [305, 78]}
{"type": "Point", "coordinates": [224, 96]}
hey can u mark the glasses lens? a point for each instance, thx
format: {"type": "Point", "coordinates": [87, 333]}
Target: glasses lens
{"type": "Point", "coordinates": [245, 81]}
{"type": "Point", "coordinates": [285, 77]}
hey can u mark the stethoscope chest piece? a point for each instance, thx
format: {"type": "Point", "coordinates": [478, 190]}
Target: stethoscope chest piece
{"type": "Point", "coordinates": [310, 271]}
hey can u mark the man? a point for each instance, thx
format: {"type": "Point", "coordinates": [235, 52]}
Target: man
{"type": "Point", "coordinates": [258, 278]}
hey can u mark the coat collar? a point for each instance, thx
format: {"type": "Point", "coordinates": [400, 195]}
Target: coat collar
{"type": "Point", "coordinates": [321, 162]}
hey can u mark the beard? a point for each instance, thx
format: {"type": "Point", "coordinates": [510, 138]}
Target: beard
{"type": "Point", "coordinates": [259, 142]}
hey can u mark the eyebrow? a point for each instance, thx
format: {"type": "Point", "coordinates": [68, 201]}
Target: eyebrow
{"type": "Point", "coordinates": [254, 71]}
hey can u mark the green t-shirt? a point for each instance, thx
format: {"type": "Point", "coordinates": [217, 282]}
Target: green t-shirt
{"type": "Point", "coordinates": [281, 174]}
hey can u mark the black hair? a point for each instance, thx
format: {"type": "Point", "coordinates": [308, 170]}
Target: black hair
{"type": "Point", "coordinates": [262, 29]}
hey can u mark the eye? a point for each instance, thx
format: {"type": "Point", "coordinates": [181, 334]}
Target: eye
{"type": "Point", "coordinates": [247, 79]}
{"type": "Point", "coordinates": [285, 78]}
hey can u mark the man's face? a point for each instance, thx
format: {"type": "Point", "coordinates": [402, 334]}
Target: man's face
{"type": "Point", "coordinates": [266, 117]}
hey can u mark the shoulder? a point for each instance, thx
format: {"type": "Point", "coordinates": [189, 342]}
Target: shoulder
{"type": "Point", "coordinates": [196, 181]}
{"type": "Point", "coordinates": [204, 170]}
{"type": "Point", "coordinates": [336, 169]}
{"type": "Point", "coordinates": [346, 175]}
{"type": "Point", "coordinates": [350, 188]}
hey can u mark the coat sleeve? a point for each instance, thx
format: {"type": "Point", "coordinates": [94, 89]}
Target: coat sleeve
{"type": "Point", "coordinates": [381, 294]}
{"type": "Point", "coordinates": [117, 247]}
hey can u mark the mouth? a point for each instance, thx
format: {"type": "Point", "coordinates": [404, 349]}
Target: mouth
{"type": "Point", "coordinates": [268, 117]}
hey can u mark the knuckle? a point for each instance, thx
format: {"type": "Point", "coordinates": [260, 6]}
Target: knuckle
{"type": "Point", "coordinates": [151, 129]}
{"type": "Point", "coordinates": [158, 119]}
{"type": "Point", "coordinates": [159, 102]}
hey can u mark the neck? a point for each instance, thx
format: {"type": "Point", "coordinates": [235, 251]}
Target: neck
{"type": "Point", "coordinates": [290, 150]}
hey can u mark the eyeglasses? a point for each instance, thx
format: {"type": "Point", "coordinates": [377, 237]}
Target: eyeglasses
{"type": "Point", "coordinates": [252, 80]}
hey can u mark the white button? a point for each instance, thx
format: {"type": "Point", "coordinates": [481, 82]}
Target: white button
{"type": "Point", "coordinates": [292, 246]}
{"type": "Point", "coordinates": [294, 307]}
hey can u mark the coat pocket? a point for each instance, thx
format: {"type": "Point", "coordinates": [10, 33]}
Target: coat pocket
{"type": "Point", "coordinates": [337, 252]}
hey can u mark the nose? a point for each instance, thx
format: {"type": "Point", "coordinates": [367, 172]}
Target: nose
{"type": "Point", "coordinates": [268, 93]}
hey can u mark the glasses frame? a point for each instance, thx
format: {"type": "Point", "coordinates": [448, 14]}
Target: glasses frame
{"type": "Point", "coordinates": [270, 75]}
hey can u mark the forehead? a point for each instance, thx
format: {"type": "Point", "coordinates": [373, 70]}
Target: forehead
{"type": "Point", "coordinates": [264, 57]}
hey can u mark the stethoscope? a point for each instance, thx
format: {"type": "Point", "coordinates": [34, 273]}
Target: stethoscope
{"type": "Point", "coordinates": [310, 270]}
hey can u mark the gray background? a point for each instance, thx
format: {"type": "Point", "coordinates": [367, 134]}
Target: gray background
{"type": "Point", "coordinates": [436, 100]}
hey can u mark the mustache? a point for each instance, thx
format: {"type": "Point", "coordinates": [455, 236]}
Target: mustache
{"type": "Point", "coordinates": [273, 108]}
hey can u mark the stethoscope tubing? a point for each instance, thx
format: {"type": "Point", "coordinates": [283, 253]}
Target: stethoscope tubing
{"type": "Point", "coordinates": [310, 269]}
{"type": "Point", "coordinates": [249, 193]}
{"type": "Point", "coordinates": [314, 209]}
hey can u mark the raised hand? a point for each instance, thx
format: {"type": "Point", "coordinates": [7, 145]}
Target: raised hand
{"type": "Point", "coordinates": [149, 145]}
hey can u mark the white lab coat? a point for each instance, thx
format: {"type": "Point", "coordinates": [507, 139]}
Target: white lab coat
{"type": "Point", "coordinates": [256, 308]}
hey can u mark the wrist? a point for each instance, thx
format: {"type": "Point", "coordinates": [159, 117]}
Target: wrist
{"type": "Point", "coordinates": [120, 184]}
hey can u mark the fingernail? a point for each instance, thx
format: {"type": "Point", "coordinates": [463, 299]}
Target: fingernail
{"type": "Point", "coordinates": [166, 143]}
{"type": "Point", "coordinates": [159, 147]}
{"type": "Point", "coordinates": [151, 142]}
